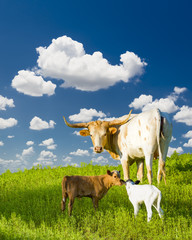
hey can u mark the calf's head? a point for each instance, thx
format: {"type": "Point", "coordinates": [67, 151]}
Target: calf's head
{"type": "Point", "coordinates": [114, 178]}
{"type": "Point", "coordinates": [99, 131]}
{"type": "Point", "coordinates": [130, 182]}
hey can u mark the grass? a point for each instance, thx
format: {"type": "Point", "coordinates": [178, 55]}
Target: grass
{"type": "Point", "coordinates": [30, 206]}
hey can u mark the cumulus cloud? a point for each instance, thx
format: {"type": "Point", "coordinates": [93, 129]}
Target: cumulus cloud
{"type": "Point", "coordinates": [86, 115]}
{"type": "Point", "coordinates": [46, 156]}
{"type": "Point", "coordinates": [68, 161]}
{"type": "Point", "coordinates": [176, 93]}
{"type": "Point", "coordinates": [184, 115]}
{"type": "Point", "coordinates": [164, 104]}
{"type": "Point", "coordinates": [172, 150]}
{"type": "Point", "coordinates": [29, 143]}
{"type": "Point", "coordinates": [1, 143]}
{"type": "Point", "coordinates": [10, 136]}
{"type": "Point", "coordinates": [7, 123]}
{"type": "Point", "coordinates": [66, 59]}
{"type": "Point", "coordinates": [178, 90]}
{"type": "Point", "coordinates": [12, 165]}
{"type": "Point", "coordinates": [188, 134]}
{"type": "Point", "coordinates": [38, 124]}
{"type": "Point", "coordinates": [49, 144]}
{"type": "Point", "coordinates": [139, 103]}
{"type": "Point", "coordinates": [100, 160]}
{"type": "Point", "coordinates": [189, 144]}
{"type": "Point", "coordinates": [5, 102]}
{"type": "Point", "coordinates": [27, 152]}
{"type": "Point", "coordinates": [29, 83]}
{"type": "Point", "coordinates": [80, 152]}
{"type": "Point", "coordinates": [145, 102]}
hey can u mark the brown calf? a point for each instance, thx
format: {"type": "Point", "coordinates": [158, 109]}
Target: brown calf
{"type": "Point", "coordinates": [94, 187]}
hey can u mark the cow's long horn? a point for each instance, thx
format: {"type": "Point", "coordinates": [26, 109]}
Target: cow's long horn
{"type": "Point", "coordinates": [76, 125]}
{"type": "Point", "coordinates": [120, 121]}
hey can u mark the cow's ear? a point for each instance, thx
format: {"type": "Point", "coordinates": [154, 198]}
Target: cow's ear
{"type": "Point", "coordinates": [137, 182]}
{"type": "Point", "coordinates": [112, 130]}
{"type": "Point", "coordinates": [84, 133]}
{"type": "Point", "coordinates": [109, 172]}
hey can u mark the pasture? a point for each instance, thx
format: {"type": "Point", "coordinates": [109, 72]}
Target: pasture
{"type": "Point", "coordinates": [30, 206]}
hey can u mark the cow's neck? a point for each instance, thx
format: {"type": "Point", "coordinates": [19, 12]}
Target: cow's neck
{"type": "Point", "coordinates": [110, 145]}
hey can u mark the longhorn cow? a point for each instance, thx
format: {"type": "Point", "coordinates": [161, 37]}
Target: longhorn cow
{"type": "Point", "coordinates": [131, 138]}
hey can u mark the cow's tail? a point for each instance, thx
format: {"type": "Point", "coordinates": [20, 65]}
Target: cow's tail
{"type": "Point", "coordinates": [160, 137]}
{"type": "Point", "coordinates": [64, 193]}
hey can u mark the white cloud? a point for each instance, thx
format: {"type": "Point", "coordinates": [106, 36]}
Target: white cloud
{"type": "Point", "coordinates": [173, 139]}
{"type": "Point", "coordinates": [5, 102]}
{"type": "Point", "coordinates": [184, 115]}
{"type": "Point", "coordinates": [176, 93]}
{"type": "Point", "coordinates": [68, 161]}
{"type": "Point", "coordinates": [76, 133]}
{"type": "Point", "coordinates": [100, 160]}
{"type": "Point", "coordinates": [189, 144]}
{"type": "Point", "coordinates": [66, 59]}
{"type": "Point", "coordinates": [178, 90]}
{"type": "Point", "coordinates": [80, 152]}
{"type": "Point", "coordinates": [86, 115]}
{"type": "Point", "coordinates": [27, 152]}
{"type": "Point", "coordinates": [49, 144]}
{"type": "Point", "coordinates": [145, 103]}
{"type": "Point", "coordinates": [45, 156]}
{"type": "Point", "coordinates": [172, 150]}
{"type": "Point", "coordinates": [7, 123]}
{"type": "Point", "coordinates": [38, 124]}
{"type": "Point", "coordinates": [164, 104]}
{"type": "Point", "coordinates": [188, 134]}
{"type": "Point", "coordinates": [139, 103]}
{"type": "Point", "coordinates": [10, 137]}
{"type": "Point", "coordinates": [30, 84]}
{"type": "Point", "coordinates": [29, 143]}
{"type": "Point", "coordinates": [1, 143]}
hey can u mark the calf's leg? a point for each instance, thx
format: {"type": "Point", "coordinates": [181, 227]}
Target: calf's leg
{"type": "Point", "coordinates": [95, 202]}
{"type": "Point", "coordinates": [70, 205]}
{"type": "Point", "coordinates": [136, 209]}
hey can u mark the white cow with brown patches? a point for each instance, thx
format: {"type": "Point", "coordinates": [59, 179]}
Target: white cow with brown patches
{"type": "Point", "coordinates": [132, 138]}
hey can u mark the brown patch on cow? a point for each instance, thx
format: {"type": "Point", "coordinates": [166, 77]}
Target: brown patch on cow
{"type": "Point", "coordinates": [139, 122]}
{"type": "Point", "coordinates": [145, 139]}
{"type": "Point", "coordinates": [147, 128]}
{"type": "Point", "coordinates": [139, 133]}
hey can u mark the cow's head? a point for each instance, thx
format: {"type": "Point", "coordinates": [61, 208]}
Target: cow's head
{"type": "Point", "coordinates": [99, 130]}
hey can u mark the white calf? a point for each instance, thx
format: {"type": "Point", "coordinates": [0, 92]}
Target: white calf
{"type": "Point", "coordinates": [148, 194]}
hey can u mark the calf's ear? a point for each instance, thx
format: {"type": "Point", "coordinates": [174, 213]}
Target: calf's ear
{"type": "Point", "coordinates": [109, 172]}
{"type": "Point", "coordinates": [112, 130]}
{"type": "Point", "coordinates": [84, 133]}
{"type": "Point", "coordinates": [137, 182]}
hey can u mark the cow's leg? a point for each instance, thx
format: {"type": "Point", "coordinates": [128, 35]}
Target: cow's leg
{"type": "Point", "coordinates": [95, 202]}
{"type": "Point", "coordinates": [140, 169]}
{"type": "Point", "coordinates": [149, 163]}
{"type": "Point", "coordinates": [161, 167]}
{"type": "Point", "coordinates": [125, 166]}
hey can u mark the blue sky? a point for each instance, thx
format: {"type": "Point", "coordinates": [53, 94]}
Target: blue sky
{"type": "Point", "coordinates": [88, 60]}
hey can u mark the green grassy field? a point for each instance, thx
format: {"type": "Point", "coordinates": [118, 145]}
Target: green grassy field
{"type": "Point", "coordinates": [30, 206]}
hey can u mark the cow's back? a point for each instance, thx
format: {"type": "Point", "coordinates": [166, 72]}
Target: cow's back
{"type": "Point", "coordinates": [139, 135]}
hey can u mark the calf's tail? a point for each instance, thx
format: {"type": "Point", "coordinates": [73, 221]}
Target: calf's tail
{"type": "Point", "coordinates": [64, 193]}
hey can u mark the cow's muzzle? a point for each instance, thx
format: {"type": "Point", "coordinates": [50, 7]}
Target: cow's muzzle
{"type": "Point", "coordinates": [98, 149]}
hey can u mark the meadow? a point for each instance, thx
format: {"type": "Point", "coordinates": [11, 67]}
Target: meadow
{"type": "Point", "coordinates": [30, 206]}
